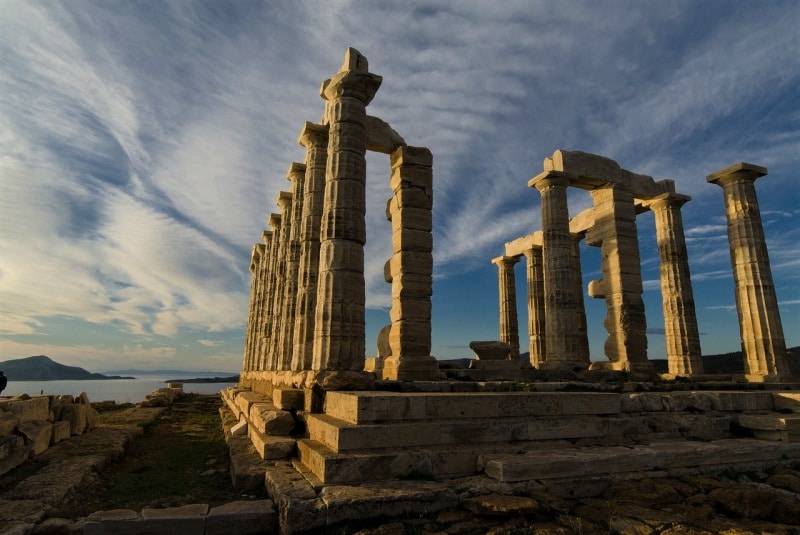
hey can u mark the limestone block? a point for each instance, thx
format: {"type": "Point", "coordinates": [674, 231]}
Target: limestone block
{"type": "Point", "coordinates": [26, 410]}
{"type": "Point", "coordinates": [13, 452]}
{"type": "Point", "coordinates": [61, 431]}
{"type": "Point", "coordinates": [345, 192]}
{"type": "Point", "coordinates": [271, 447]}
{"type": "Point", "coordinates": [187, 519]}
{"type": "Point", "coordinates": [412, 177]}
{"type": "Point", "coordinates": [245, 400]}
{"type": "Point", "coordinates": [242, 518]}
{"type": "Point", "coordinates": [490, 350]}
{"type": "Point", "coordinates": [409, 217]}
{"type": "Point", "coordinates": [75, 414]}
{"type": "Point", "coordinates": [92, 417]}
{"type": "Point", "coordinates": [412, 240]}
{"type": "Point", "coordinates": [380, 136]}
{"type": "Point", "coordinates": [267, 419]}
{"type": "Point", "coordinates": [239, 429]}
{"type": "Point", "coordinates": [338, 254]}
{"type": "Point", "coordinates": [587, 166]}
{"type": "Point", "coordinates": [411, 262]}
{"type": "Point", "coordinates": [83, 398]}
{"type": "Point", "coordinates": [287, 399]}
{"type": "Point", "coordinates": [384, 349]}
{"type": "Point", "coordinates": [8, 422]}
{"type": "Point", "coordinates": [786, 401]}
{"type": "Point", "coordinates": [407, 155]}
{"type": "Point", "coordinates": [412, 285]}
{"type": "Point", "coordinates": [410, 309]}
{"type": "Point", "coordinates": [387, 271]}
{"type": "Point", "coordinates": [499, 504]}
{"type": "Point", "coordinates": [38, 433]}
{"type": "Point", "coordinates": [344, 224]}
{"type": "Point", "coordinates": [412, 198]}
{"type": "Point", "coordinates": [410, 338]}
{"type": "Point", "coordinates": [113, 522]}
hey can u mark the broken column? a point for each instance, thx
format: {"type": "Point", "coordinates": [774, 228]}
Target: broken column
{"type": "Point", "coordinates": [536, 306]}
{"type": "Point", "coordinates": [314, 138]}
{"type": "Point", "coordinates": [507, 291]}
{"type": "Point", "coordinates": [763, 343]}
{"type": "Point", "coordinates": [339, 317]}
{"type": "Point", "coordinates": [615, 231]}
{"type": "Point", "coordinates": [410, 270]}
{"type": "Point", "coordinates": [563, 344]}
{"type": "Point", "coordinates": [680, 320]}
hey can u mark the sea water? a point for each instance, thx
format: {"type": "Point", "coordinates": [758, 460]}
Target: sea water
{"type": "Point", "coordinates": [119, 390]}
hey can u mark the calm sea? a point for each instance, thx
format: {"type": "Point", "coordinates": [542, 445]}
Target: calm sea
{"type": "Point", "coordinates": [119, 390]}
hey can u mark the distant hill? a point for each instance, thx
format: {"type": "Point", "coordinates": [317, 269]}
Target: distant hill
{"type": "Point", "coordinates": [42, 368]}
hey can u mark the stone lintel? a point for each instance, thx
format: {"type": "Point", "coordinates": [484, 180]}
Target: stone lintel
{"type": "Point", "coordinates": [297, 171]}
{"type": "Point", "coordinates": [518, 246]}
{"type": "Point", "coordinates": [274, 221]}
{"type": "Point", "coordinates": [741, 169]}
{"type": "Point", "coordinates": [313, 134]}
{"type": "Point", "coordinates": [284, 199]}
{"type": "Point", "coordinates": [380, 136]}
{"type": "Point", "coordinates": [582, 222]}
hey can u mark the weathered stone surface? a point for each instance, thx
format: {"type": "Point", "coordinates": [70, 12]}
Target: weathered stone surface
{"type": "Point", "coordinates": [243, 518]}
{"type": "Point", "coordinates": [26, 410]}
{"type": "Point", "coordinates": [271, 447]}
{"type": "Point", "coordinates": [61, 431]}
{"type": "Point", "coordinates": [266, 419]}
{"type": "Point", "coordinates": [38, 433]}
{"type": "Point", "coordinates": [8, 422]}
{"type": "Point", "coordinates": [491, 350]}
{"type": "Point", "coordinates": [13, 452]}
{"type": "Point", "coordinates": [76, 415]}
{"type": "Point", "coordinates": [287, 399]}
{"type": "Point", "coordinates": [187, 519]}
{"type": "Point", "coordinates": [499, 504]}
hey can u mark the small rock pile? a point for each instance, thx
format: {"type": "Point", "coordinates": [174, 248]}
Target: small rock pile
{"type": "Point", "coordinates": [30, 425]}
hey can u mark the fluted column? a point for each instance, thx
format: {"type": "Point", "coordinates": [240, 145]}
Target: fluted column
{"type": "Point", "coordinates": [268, 301]}
{"type": "Point", "coordinates": [507, 292]}
{"type": "Point", "coordinates": [577, 277]}
{"type": "Point", "coordinates": [339, 317]}
{"type": "Point", "coordinates": [563, 344]}
{"type": "Point", "coordinates": [536, 306]}
{"type": "Point", "coordinates": [275, 354]}
{"type": "Point", "coordinates": [621, 286]}
{"type": "Point", "coordinates": [763, 343]}
{"type": "Point", "coordinates": [296, 175]}
{"type": "Point", "coordinates": [315, 139]}
{"type": "Point", "coordinates": [680, 320]}
{"type": "Point", "coordinates": [255, 258]}
{"type": "Point", "coordinates": [262, 272]}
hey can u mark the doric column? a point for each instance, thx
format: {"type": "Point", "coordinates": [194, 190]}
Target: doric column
{"type": "Point", "coordinates": [315, 139]}
{"type": "Point", "coordinates": [268, 301]}
{"type": "Point", "coordinates": [261, 274]}
{"type": "Point", "coordinates": [680, 320]}
{"type": "Point", "coordinates": [621, 286]}
{"type": "Point", "coordinates": [536, 306]}
{"type": "Point", "coordinates": [255, 259]}
{"type": "Point", "coordinates": [763, 344]}
{"type": "Point", "coordinates": [507, 291]}
{"type": "Point", "coordinates": [577, 277]}
{"type": "Point", "coordinates": [563, 344]}
{"type": "Point", "coordinates": [296, 175]}
{"type": "Point", "coordinates": [275, 356]}
{"type": "Point", "coordinates": [339, 316]}
{"type": "Point", "coordinates": [410, 270]}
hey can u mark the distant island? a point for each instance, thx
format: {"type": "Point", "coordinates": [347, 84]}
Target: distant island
{"type": "Point", "coordinates": [43, 368]}
{"type": "Point", "coordinates": [229, 379]}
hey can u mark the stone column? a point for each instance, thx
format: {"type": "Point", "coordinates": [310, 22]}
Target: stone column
{"type": "Point", "coordinates": [577, 274]}
{"type": "Point", "coordinates": [262, 297]}
{"type": "Point", "coordinates": [763, 343]}
{"type": "Point", "coordinates": [680, 320]}
{"type": "Point", "coordinates": [621, 286]}
{"type": "Point", "coordinates": [275, 356]}
{"type": "Point", "coordinates": [339, 317]}
{"type": "Point", "coordinates": [410, 270]}
{"type": "Point", "coordinates": [270, 278]}
{"type": "Point", "coordinates": [536, 306]}
{"type": "Point", "coordinates": [507, 291]}
{"type": "Point", "coordinates": [255, 259]}
{"type": "Point", "coordinates": [315, 139]}
{"type": "Point", "coordinates": [296, 175]}
{"type": "Point", "coordinates": [563, 343]}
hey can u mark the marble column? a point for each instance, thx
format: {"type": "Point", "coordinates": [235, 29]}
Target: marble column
{"type": "Point", "coordinates": [276, 321]}
{"type": "Point", "coordinates": [339, 332]}
{"type": "Point", "coordinates": [621, 286]}
{"type": "Point", "coordinates": [577, 274]}
{"type": "Point", "coordinates": [562, 301]}
{"type": "Point", "coordinates": [255, 259]}
{"type": "Point", "coordinates": [410, 270]}
{"type": "Point", "coordinates": [314, 138]}
{"type": "Point", "coordinates": [507, 292]}
{"type": "Point", "coordinates": [536, 306]}
{"type": "Point", "coordinates": [296, 175]}
{"type": "Point", "coordinates": [763, 343]}
{"type": "Point", "coordinates": [680, 320]}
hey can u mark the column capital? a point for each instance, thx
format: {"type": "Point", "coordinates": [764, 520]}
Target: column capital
{"type": "Point", "coordinates": [297, 171]}
{"type": "Point", "coordinates": [284, 199]}
{"type": "Point", "coordinates": [550, 178]}
{"type": "Point", "coordinates": [666, 200]}
{"type": "Point", "coordinates": [313, 135]}
{"type": "Point", "coordinates": [354, 84]}
{"type": "Point", "coordinates": [266, 236]}
{"type": "Point", "coordinates": [505, 261]}
{"type": "Point", "coordinates": [737, 171]}
{"type": "Point", "coordinates": [275, 221]}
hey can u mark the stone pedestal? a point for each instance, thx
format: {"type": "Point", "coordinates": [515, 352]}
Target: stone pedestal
{"type": "Point", "coordinates": [763, 343]}
{"type": "Point", "coordinates": [563, 343]}
{"type": "Point", "coordinates": [680, 320]}
{"type": "Point", "coordinates": [507, 292]}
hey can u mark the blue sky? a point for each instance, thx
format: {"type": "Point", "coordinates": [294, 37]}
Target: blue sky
{"type": "Point", "coordinates": [143, 145]}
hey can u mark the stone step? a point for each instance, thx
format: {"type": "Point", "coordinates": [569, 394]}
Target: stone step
{"type": "Point", "coordinates": [773, 426]}
{"type": "Point", "coordinates": [363, 407]}
{"type": "Point", "coordinates": [589, 462]}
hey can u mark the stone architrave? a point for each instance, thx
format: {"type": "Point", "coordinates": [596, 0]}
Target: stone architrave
{"type": "Point", "coordinates": [680, 320]}
{"type": "Point", "coordinates": [275, 355]}
{"type": "Point", "coordinates": [339, 332]}
{"type": "Point", "coordinates": [296, 175]}
{"type": "Point", "coordinates": [562, 316]}
{"type": "Point", "coordinates": [507, 291]}
{"type": "Point", "coordinates": [763, 343]}
{"type": "Point", "coordinates": [315, 139]}
{"type": "Point", "coordinates": [411, 266]}
{"type": "Point", "coordinates": [536, 306]}
{"type": "Point", "coordinates": [271, 278]}
{"type": "Point", "coordinates": [615, 231]}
